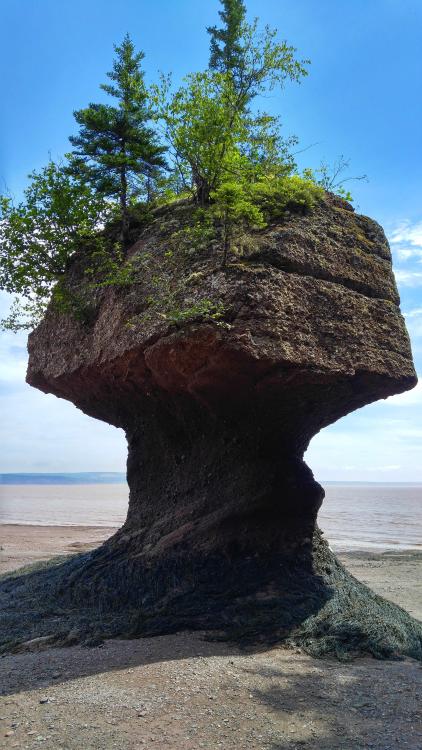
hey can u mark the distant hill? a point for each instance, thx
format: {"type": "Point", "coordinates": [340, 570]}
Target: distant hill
{"type": "Point", "coordinates": [84, 477]}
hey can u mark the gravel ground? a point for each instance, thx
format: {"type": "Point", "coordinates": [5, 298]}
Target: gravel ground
{"type": "Point", "coordinates": [185, 693]}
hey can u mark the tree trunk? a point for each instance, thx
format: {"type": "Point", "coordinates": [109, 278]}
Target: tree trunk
{"type": "Point", "coordinates": [124, 233]}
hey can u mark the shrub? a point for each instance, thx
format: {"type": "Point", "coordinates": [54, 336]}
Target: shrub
{"type": "Point", "coordinates": [291, 193]}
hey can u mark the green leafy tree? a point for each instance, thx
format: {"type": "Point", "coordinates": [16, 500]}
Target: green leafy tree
{"type": "Point", "coordinates": [201, 128]}
{"type": "Point", "coordinates": [116, 149]}
{"type": "Point", "coordinates": [39, 236]}
{"type": "Point", "coordinates": [211, 140]}
{"type": "Point", "coordinates": [209, 118]}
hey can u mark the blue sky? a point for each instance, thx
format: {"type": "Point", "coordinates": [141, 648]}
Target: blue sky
{"type": "Point", "coordinates": [361, 99]}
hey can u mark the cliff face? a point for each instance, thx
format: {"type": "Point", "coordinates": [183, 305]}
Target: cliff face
{"type": "Point", "coordinates": [220, 377]}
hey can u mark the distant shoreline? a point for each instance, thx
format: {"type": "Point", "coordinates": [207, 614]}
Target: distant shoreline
{"type": "Point", "coordinates": [63, 479]}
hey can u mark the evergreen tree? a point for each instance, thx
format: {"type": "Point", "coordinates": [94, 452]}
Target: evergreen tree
{"type": "Point", "coordinates": [226, 50]}
{"type": "Point", "coordinates": [254, 60]}
{"type": "Point", "coordinates": [116, 150]}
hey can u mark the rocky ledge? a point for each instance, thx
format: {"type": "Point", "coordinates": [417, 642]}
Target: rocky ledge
{"type": "Point", "coordinates": [220, 377]}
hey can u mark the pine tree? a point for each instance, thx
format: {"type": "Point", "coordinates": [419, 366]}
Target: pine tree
{"type": "Point", "coordinates": [254, 61]}
{"type": "Point", "coordinates": [226, 50]}
{"type": "Point", "coordinates": [116, 150]}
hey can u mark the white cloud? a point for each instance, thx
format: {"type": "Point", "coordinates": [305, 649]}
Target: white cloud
{"type": "Point", "coordinates": [12, 371]}
{"type": "Point", "coordinates": [408, 277]}
{"type": "Point", "coordinates": [414, 324]}
{"type": "Point", "coordinates": [354, 467]}
{"type": "Point", "coordinates": [407, 233]}
{"type": "Point", "coordinates": [406, 239]}
{"type": "Point", "coordinates": [416, 312]}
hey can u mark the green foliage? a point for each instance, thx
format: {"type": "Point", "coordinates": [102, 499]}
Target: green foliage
{"type": "Point", "coordinates": [233, 206]}
{"type": "Point", "coordinates": [200, 128]}
{"type": "Point", "coordinates": [240, 206]}
{"type": "Point", "coordinates": [212, 134]}
{"type": "Point", "coordinates": [226, 50]}
{"type": "Point", "coordinates": [229, 157]}
{"type": "Point", "coordinates": [291, 193]}
{"type": "Point", "coordinates": [107, 267]}
{"type": "Point", "coordinates": [202, 309]}
{"type": "Point", "coordinates": [195, 236]}
{"type": "Point", "coordinates": [24, 314]}
{"type": "Point", "coordinates": [255, 61]}
{"type": "Point", "coordinates": [116, 149]}
{"type": "Point", "coordinates": [212, 139]}
{"type": "Point", "coordinates": [40, 235]}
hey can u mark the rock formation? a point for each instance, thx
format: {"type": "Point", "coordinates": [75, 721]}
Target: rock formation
{"type": "Point", "coordinates": [220, 378]}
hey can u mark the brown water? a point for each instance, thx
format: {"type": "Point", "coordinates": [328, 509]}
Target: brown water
{"type": "Point", "coordinates": [353, 516]}
{"type": "Point", "coordinates": [372, 516]}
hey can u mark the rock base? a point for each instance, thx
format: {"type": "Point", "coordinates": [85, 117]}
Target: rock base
{"type": "Point", "coordinates": [307, 600]}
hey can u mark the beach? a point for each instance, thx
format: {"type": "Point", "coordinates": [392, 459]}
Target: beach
{"type": "Point", "coordinates": [185, 692]}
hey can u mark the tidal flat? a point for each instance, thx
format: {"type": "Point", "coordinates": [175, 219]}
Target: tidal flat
{"type": "Point", "coordinates": [185, 692]}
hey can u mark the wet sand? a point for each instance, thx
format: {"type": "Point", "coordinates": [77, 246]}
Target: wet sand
{"type": "Point", "coordinates": [21, 544]}
{"type": "Point", "coordinates": [186, 693]}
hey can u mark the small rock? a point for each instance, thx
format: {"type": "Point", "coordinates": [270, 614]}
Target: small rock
{"type": "Point", "coordinates": [44, 700]}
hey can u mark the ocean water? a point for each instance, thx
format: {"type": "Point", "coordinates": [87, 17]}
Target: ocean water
{"type": "Point", "coordinates": [68, 504]}
{"type": "Point", "coordinates": [353, 516]}
{"type": "Point", "coordinates": [372, 516]}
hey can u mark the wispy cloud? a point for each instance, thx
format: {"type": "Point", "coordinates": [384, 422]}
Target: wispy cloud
{"type": "Point", "coordinates": [387, 467]}
{"type": "Point", "coordinates": [406, 239]}
{"type": "Point", "coordinates": [415, 313]}
{"type": "Point", "coordinates": [408, 277]}
{"type": "Point", "coordinates": [414, 323]}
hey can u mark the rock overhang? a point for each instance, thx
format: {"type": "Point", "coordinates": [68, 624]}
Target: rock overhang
{"type": "Point", "coordinates": [312, 305]}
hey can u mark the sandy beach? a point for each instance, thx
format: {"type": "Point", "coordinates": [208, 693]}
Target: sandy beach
{"type": "Point", "coordinates": [22, 544]}
{"type": "Point", "coordinates": [186, 692]}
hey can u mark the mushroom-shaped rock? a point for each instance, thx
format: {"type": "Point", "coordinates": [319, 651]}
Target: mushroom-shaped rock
{"type": "Point", "coordinates": [220, 377]}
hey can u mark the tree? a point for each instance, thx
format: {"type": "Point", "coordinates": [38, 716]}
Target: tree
{"type": "Point", "coordinates": [212, 139]}
{"type": "Point", "coordinates": [226, 51]}
{"type": "Point", "coordinates": [40, 235]}
{"type": "Point", "coordinates": [116, 149]}
{"type": "Point", "coordinates": [202, 129]}
{"type": "Point", "coordinates": [255, 61]}
{"type": "Point", "coordinates": [234, 208]}
{"type": "Point", "coordinates": [331, 177]}
{"type": "Point", "coordinates": [209, 118]}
